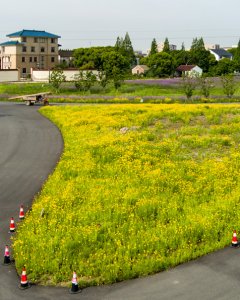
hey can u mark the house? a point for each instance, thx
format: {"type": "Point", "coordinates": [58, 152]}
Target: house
{"type": "Point", "coordinates": [28, 49]}
{"type": "Point", "coordinates": [189, 70]}
{"type": "Point", "coordinates": [140, 69]}
{"type": "Point", "coordinates": [221, 53]}
{"type": "Point", "coordinates": [65, 57]}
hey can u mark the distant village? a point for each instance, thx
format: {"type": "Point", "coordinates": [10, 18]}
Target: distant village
{"type": "Point", "coordinates": [29, 51]}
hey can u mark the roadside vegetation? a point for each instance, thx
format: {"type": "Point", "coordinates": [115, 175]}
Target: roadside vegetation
{"type": "Point", "coordinates": [151, 90]}
{"type": "Point", "coordinates": [138, 189]}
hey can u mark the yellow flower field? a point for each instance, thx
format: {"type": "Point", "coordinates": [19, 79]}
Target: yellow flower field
{"type": "Point", "coordinates": [138, 189]}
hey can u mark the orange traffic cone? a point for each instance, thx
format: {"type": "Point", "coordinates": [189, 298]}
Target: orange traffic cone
{"type": "Point", "coordinates": [74, 288]}
{"type": "Point", "coordinates": [7, 259]}
{"type": "Point", "coordinates": [21, 213]}
{"type": "Point", "coordinates": [24, 282]}
{"type": "Point", "coordinates": [234, 239]}
{"type": "Point", "coordinates": [12, 225]}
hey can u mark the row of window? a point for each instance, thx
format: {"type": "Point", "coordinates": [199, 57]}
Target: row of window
{"type": "Point", "coordinates": [39, 40]}
{"type": "Point", "coordinates": [33, 49]}
{"type": "Point", "coordinates": [35, 59]}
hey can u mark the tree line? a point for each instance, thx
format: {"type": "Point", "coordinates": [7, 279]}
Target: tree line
{"type": "Point", "coordinates": [114, 63]}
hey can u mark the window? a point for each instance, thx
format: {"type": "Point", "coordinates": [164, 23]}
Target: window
{"type": "Point", "coordinates": [35, 59]}
{"type": "Point", "coordinates": [42, 58]}
{"type": "Point", "coordinates": [35, 40]}
{"type": "Point", "coordinates": [30, 59]}
{"type": "Point", "coordinates": [24, 49]}
{"type": "Point", "coordinates": [32, 49]}
{"type": "Point", "coordinates": [42, 49]}
{"type": "Point", "coordinates": [52, 59]}
{"type": "Point", "coordinates": [24, 39]}
{"type": "Point", "coordinates": [23, 59]}
{"type": "Point", "coordinates": [42, 40]}
{"type": "Point", "coordinates": [52, 49]}
{"type": "Point", "coordinates": [3, 49]}
{"type": "Point", "coordinates": [24, 70]}
{"type": "Point", "coordinates": [53, 41]}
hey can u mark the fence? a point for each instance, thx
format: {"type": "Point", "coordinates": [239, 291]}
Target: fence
{"type": "Point", "coordinates": [44, 75]}
{"type": "Point", "coordinates": [9, 75]}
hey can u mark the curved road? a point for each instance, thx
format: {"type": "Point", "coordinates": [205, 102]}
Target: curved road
{"type": "Point", "coordinates": [30, 147]}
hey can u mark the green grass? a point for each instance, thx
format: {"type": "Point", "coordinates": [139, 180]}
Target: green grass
{"type": "Point", "coordinates": [123, 204]}
{"type": "Point", "coordinates": [127, 90]}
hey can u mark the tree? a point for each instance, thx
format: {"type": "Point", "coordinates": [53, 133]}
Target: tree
{"type": "Point", "coordinates": [161, 64]}
{"type": "Point", "coordinates": [229, 85]}
{"type": "Point", "coordinates": [57, 77]}
{"type": "Point", "coordinates": [154, 47]}
{"type": "Point", "coordinates": [206, 84]}
{"type": "Point", "coordinates": [84, 80]}
{"type": "Point", "coordinates": [188, 85]}
{"type": "Point", "coordinates": [236, 57]}
{"type": "Point", "coordinates": [199, 55]}
{"type": "Point", "coordinates": [124, 47]}
{"type": "Point", "coordinates": [115, 66]}
{"type": "Point", "coordinates": [103, 79]}
{"type": "Point", "coordinates": [223, 67]}
{"type": "Point", "coordinates": [166, 46]}
{"type": "Point", "coordinates": [127, 44]}
{"type": "Point", "coordinates": [119, 44]}
{"type": "Point", "coordinates": [90, 58]}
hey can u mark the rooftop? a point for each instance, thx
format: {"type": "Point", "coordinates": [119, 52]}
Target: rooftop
{"type": "Point", "coordinates": [33, 33]}
{"type": "Point", "coordinates": [66, 53]}
{"type": "Point", "coordinates": [11, 43]}
{"type": "Point", "coordinates": [185, 67]}
{"type": "Point", "coordinates": [221, 52]}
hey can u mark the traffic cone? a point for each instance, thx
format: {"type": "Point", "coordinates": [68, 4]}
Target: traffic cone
{"type": "Point", "coordinates": [24, 282]}
{"type": "Point", "coordinates": [7, 259]}
{"type": "Point", "coordinates": [21, 213]}
{"type": "Point", "coordinates": [12, 225]}
{"type": "Point", "coordinates": [234, 239]}
{"type": "Point", "coordinates": [74, 289]}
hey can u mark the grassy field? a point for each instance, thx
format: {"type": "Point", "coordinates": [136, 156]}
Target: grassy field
{"type": "Point", "coordinates": [138, 189]}
{"type": "Point", "coordinates": [135, 88]}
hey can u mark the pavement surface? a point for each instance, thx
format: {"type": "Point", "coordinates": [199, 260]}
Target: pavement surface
{"type": "Point", "coordinates": [30, 147]}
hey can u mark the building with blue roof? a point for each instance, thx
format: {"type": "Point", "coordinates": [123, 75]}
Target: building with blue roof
{"type": "Point", "coordinates": [29, 49]}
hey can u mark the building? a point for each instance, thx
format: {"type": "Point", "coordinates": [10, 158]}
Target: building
{"type": "Point", "coordinates": [212, 46]}
{"type": "Point", "coordinates": [189, 70]}
{"type": "Point", "coordinates": [140, 69]}
{"type": "Point", "coordinates": [28, 49]}
{"type": "Point", "coordinates": [161, 46]}
{"type": "Point", "coordinates": [65, 57]}
{"type": "Point", "coordinates": [221, 53]}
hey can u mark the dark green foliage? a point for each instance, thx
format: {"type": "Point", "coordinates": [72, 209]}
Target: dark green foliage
{"type": "Point", "coordinates": [125, 48]}
{"type": "Point", "coordinates": [90, 58]}
{"type": "Point", "coordinates": [223, 67]}
{"type": "Point", "coordinates": [166, 47]}
{"type": "Point", "coordinates": [161, 64]}
{"type": "Point", "coordinates": [199, 55]}
{"type": "Point", "coordinates": [154, 48]}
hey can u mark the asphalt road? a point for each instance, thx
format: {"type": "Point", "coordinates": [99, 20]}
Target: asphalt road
{"type": "Point", "coordinates": [30, 147]}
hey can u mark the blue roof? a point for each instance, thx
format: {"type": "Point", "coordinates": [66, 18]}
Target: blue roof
{"type": "Point", "coordinates": [11, 43]}
{"type": "Point", "coordinates": [33, 33]}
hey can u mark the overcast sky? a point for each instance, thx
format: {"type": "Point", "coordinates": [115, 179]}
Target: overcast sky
{"type": "Point", "coordinates": [85, 23]}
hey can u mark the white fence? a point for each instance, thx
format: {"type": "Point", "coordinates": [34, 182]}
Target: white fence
{"type": "Point", "coordinates": [9, 75]}
{"type": "Point", "coordinates": [44, 75]}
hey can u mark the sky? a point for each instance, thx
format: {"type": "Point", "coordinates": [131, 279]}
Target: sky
{"type": "Point", "coordinates": [87, 23]}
